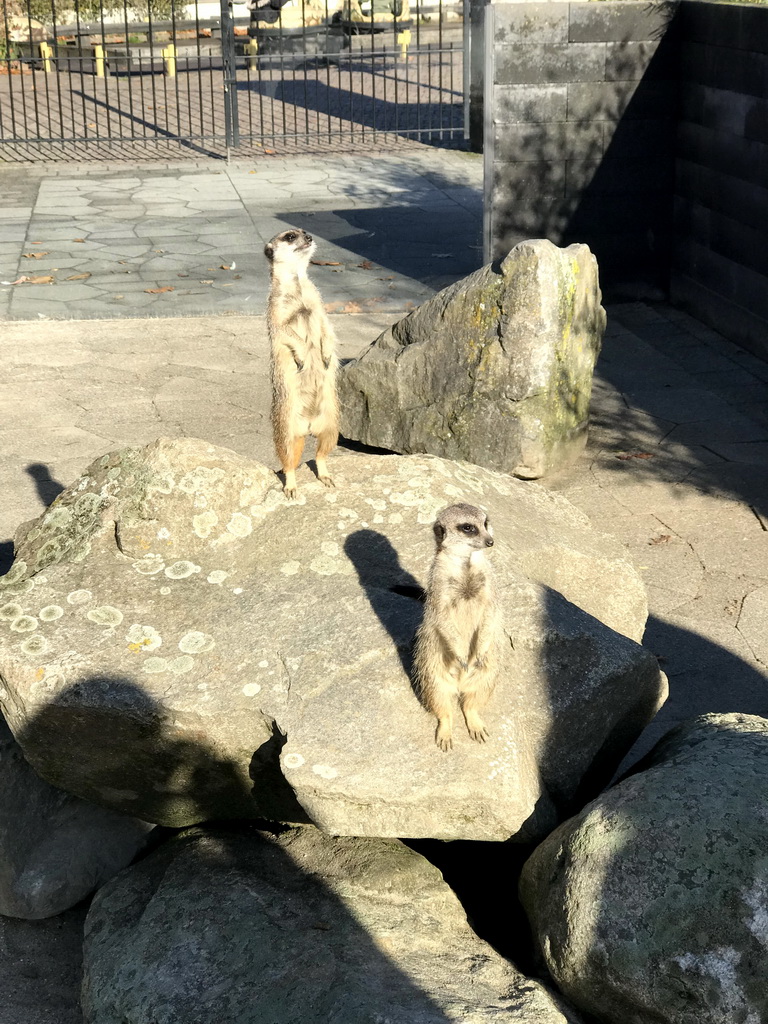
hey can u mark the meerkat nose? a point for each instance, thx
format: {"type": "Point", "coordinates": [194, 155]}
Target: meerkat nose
{"type": "Point", "coordinates": [489, 542]}
{"type": "Point", "coordinates": [307, 236]}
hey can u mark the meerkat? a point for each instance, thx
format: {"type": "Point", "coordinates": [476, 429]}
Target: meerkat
{"type": "Point", "coordinates": [457, 644]}
{"type": "Point", "coordinates": [303, 358]}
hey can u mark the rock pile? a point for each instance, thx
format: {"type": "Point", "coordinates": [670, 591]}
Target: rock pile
{"type": "Point", "coordinates": [180, 643]}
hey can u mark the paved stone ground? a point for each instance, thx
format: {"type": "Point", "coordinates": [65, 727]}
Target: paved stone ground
{"type": "Point", "coordinates": [675, 467]}
{"type": "Point", "coordinates": [185, 242]}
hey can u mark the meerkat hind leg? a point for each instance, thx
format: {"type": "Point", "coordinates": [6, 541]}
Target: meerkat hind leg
{"type": "Point", "coordinates": [470, 702]}
{"type": "Point", "coordinates": [290, 464]}
{"type": "Point", "coordinates": [326, 442]}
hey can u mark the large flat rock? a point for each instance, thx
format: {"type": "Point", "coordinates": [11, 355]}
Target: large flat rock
{"type": "Point", "coordinates": [180, 643]}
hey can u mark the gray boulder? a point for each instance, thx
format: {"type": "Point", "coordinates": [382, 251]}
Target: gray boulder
{"type": "Point", "coordinates": [223, 927]}
{"type": "Point", "coordinates": [495, 370]}
{"type": "Point", "coordinates": [54, 849]}
{"type": "Point", "coordinates": [179, 642]}
{"type": "Point", "coordinates": [652, 904]}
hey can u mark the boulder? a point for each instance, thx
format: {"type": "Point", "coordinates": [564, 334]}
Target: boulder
{"type": "Point", "coordinates": [179, 642]}
{"type": "Point", "coordinates": [652, 903]}
{"type": "Point", "coordinates": [300, 927]}
{"type": "Point", "coordinates": [495, 370]}
{"type": "Point", "coordinates": [54, 848]}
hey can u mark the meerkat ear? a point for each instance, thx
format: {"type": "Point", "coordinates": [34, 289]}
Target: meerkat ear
{"type": "Point", "coordinates": [439, 531]}
{"type": "Point", "coordinates": [269, 252]}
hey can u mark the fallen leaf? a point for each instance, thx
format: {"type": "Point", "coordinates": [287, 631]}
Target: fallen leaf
{"type": "Point", "coordinates": [226, 266]}
{"type": "Point", "coordinates": [390, 278]}
{"type": "Point", "coordinates": [663, 538]}
{"type": "Point", "coordinates": [238, 277]}
{"type": "Point", "coordinates": [34, 255]}
{"type": "Point", "coordinates": [34, 279]}
{"type": "Point", "coordinates": [326, 263]}
{"type": "Point", "coordinates": [78, 239]}
{"type": "Point", "coordinates": [159, 291]}
{"type": "Point", "coordinates": [78, 277]}
{"type": "Point", "coordinates": [228, 285]}
{"type": "Point", "coordinates": [635, 455]}
{"type": "Point", "coordinates": [91, 124]}
{"type": "Point", "coordinates": [122, 262]}
{"type": "Point", "coordinates": [119, 296]}
{"type": "Point", "coordinates": [211, 268]}
{"type": "Point", "coordinates": [158, 250]}
{"type": "Point", "coordinates": [366, 265]}
{"type": "Point", "coordinates": [182, 275]}
{"type": "Point", "coordinates": [270, 152]}
{"type": "Point", "coordinates": [207, 281]}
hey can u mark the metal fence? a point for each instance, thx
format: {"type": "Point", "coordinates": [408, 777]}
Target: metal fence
{"type": "Point", "coordinates": [100, 77]}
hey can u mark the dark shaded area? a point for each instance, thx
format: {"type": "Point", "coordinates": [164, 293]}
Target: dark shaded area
{"type": "Point", "coordinates": [394, 594]}
{"type": "Point", "coordinates": [586, 106]}
{"type": "Point", "coordinates": [48, 488]}
{"type": "Point", "coordinates": [720, 269]}
{"type": "Point", "coordinates": [107, 733]}
{"type": "Point", "coordinates": [6, 556]}
{"type": "Point", "coordinates": [406, 239]}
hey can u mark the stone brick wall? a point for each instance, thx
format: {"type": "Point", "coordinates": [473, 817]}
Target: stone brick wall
{"type": "Point", "coordinates": [720, 270]}
{"type": "Point", "coordinates": [580, 120]}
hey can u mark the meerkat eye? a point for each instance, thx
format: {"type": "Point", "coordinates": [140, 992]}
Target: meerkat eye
{"type": "Point", "coordinates": [469, 529]}
{"type": "Point", "coordinates": [291, 236]}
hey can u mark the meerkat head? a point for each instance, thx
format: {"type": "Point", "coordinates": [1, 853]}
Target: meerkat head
{"type": "Point", "coordinates": [463, 530]}
{"type": "Point", "coordinates": [293, 247]}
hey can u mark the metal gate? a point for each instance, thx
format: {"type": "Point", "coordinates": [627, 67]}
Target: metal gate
{"type": "Point", "coordinates": [105, 79]}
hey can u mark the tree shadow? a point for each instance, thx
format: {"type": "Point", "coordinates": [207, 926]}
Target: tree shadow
{"type": "Point", "coordinates": [106, 740]}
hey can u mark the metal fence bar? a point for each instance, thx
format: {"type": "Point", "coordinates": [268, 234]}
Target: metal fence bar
{"type": "Point", "coordinates": [362, 72]}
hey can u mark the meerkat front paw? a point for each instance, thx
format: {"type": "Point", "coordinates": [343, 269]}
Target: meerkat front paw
{"type": "Point", "coordinates": [480, 662]}
{"type": "Point", "coordinates": [290, 493]}
{"type": "Point", "coordinates": [327, 481]}
{"type": "Point", "coordinates": [479, 735]}
{"type": "Point", "coordinates": [444, 741]}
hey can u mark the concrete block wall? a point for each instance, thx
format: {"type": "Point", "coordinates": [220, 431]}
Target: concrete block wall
{"type": "Point", "coordinates": [720, 267]}
{"type": "Point", "coordinates": [581, 106]}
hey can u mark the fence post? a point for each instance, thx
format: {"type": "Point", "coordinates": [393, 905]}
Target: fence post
{"type": "Point", "coordinates": [46, 52]}
{"type": "Point", "coordinates": [229, 68]}
{"type": "Point", "coordinates": [100, 61]}
{"type": "Point", "coordinates": [169, 58]}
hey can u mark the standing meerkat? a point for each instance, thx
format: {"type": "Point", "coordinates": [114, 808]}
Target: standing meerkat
{"type": "Point", "coordinates": [303, 358]}
{"type": "Point", "coordinates": [457, 643]}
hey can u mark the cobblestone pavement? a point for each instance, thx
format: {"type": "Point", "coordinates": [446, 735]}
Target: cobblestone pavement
{"type": "Point", "coordinates": [184, 241]}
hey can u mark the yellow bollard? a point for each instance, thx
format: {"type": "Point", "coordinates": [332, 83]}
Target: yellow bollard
{"type": "Point", "coordinates": [98, 54]}
{"type": "Point", "coordinates": [46, 52]}
{"type": "Point", "coordinates": [403, 41]}
{"type": "Point", "coordinates": [169, 56]}
{"type": "Point", "coordinates": [251, 49]}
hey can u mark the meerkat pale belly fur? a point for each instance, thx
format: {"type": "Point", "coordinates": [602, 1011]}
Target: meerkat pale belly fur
{"type": "Point", "coordinates": [303, 358]}
{"type": "Point", "coordinates": [457, 644]}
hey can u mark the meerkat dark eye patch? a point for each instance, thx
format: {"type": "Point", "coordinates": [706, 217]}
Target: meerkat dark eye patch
{"type": "Point", "coordinates": [468, 528]}
{"type": "Point", "coordinates": [290, 237]}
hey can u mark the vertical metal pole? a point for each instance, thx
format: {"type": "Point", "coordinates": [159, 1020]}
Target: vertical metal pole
{"type": "Point", "coordinates": [229, 69]}
{"type": "Point", "coordinates": [465, 63]}
{"type": "Point", "coordinates": [489, 35]}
